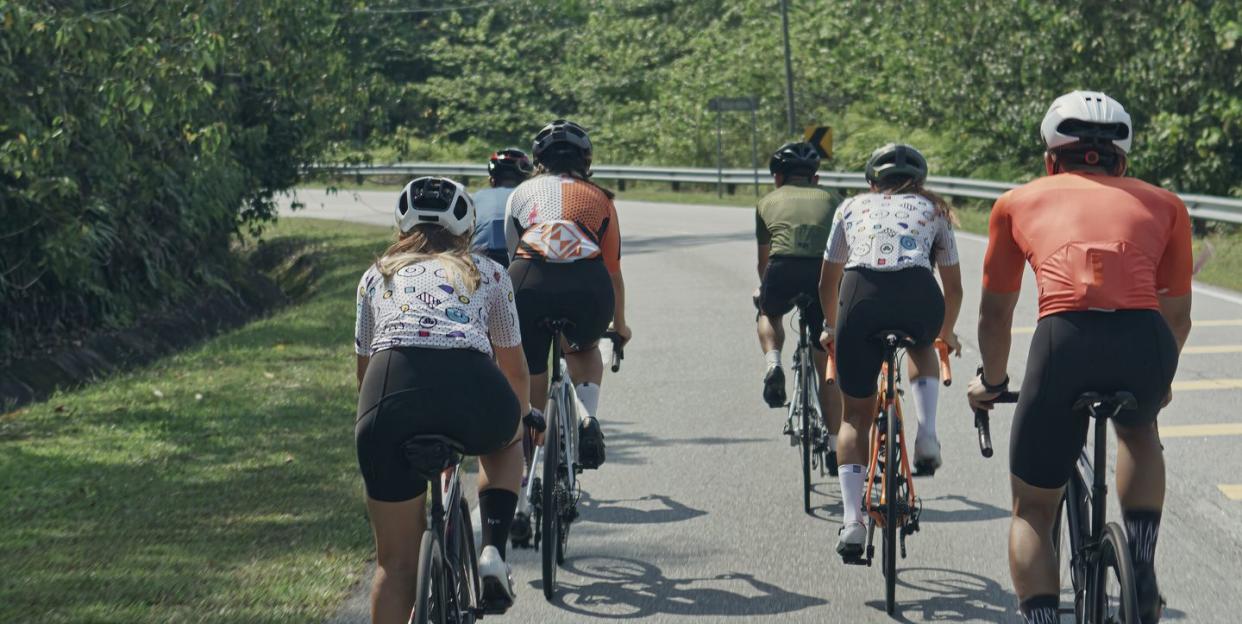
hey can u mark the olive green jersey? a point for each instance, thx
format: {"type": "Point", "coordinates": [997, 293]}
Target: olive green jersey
{"type": "Point", "coordinates": [796, 220]}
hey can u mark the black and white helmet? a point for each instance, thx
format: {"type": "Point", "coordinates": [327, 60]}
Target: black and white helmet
{"type": "Point", "coordinates": [440, 201]}
{"type": "Point", "coordinates": [1087, 117]}
{"type": "Point", "coordinates": [795, 159]}
{"type": "Point", "coordinates": [562, 139]}
{"type": "Point", "coordinates": [896, 160]}
{"type": "Point", "coordinates": [509, 162]}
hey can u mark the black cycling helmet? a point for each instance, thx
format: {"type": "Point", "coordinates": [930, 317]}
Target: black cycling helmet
{"type": "Point", "coordinates": [795, 159]}
{"type": "Point", "coordinates": [562, 141]}
{"type": "Point", "coordinates": [894, 161]}
{"type": "Point", "coordinates": [510, 162]}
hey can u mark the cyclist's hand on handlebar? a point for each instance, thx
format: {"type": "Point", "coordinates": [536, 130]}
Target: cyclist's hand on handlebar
{"type": "Point", "coordinates": [624, 332]}
{"type": "Point", "coordinates": [978, 395]}
{"type": "Point", "coordinates": [951, 341]}
{"type": "Point", "coordinates": [827, 337]}
{"type": "Point", "coordinates": [754, 297]}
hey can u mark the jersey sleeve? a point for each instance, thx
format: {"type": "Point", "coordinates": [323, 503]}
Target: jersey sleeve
{"type": "Point", "coordinates": [762, 235]}
{"type": "Point", "coordinates": [838, 249]}
{"type": "Point", "coordinates": [610, 246]}
{"type": "Point", "coordinates": [1002, 264]}
{"type": "Point", "coordinates": [364, 325]}
{"type": "Point", "coordinates": [945, 245]}
{"type": "Point", "coordinates": [1176, 268]}
{"type": "Point", "coordinates": [502, 318]}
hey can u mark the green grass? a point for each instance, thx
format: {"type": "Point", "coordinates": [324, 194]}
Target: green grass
{"type": "Point", "coordinates": [134, 500]}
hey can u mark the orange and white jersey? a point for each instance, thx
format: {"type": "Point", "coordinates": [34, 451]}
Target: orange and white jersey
{"type": "Point", "coordinates": [563, 219]}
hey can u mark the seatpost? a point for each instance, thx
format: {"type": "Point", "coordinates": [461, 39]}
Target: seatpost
{"type": "Point", "coordinates": [437, 503]}
{"type": "Point", "coordinates": [1099, 487]}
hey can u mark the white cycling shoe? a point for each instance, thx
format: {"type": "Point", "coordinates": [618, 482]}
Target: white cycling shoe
{"type": "Point", "coordinates": [850, 540]}
{"type": "Point", "coordinates": [927, 455]}
{"type": "Point", "coordinates": [497, 580]}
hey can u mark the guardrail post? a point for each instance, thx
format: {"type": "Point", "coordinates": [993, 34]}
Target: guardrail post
{"type": "Point", "coordinates": [676, 186]}
{"type": "Point", "coordinates": [621, 185]}
{"type": "Point", "coordinates": [732, 188]}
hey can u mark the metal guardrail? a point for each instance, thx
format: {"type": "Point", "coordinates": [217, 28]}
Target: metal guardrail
{"type": "Point", "coordinates": [1206, 207]}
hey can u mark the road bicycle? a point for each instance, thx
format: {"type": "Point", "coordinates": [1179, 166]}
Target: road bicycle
{"type": "Point", "coordinates": [1100, 569]}
{"type": "Point", "coordinates": [888, 496]}
{"type": "Point", "coordinates": [805, 424]}
{"type": "Point", "coordinates": [552, 491]}
{"type": "Point", "coordinates": [448, 568]}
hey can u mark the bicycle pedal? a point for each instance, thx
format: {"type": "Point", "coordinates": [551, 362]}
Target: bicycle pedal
{"type": "Point", "coordinates": [856, 561]}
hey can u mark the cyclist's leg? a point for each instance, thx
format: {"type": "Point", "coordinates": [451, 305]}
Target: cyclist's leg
{"type": "Point", "coordinates": [776, 293]}
{"type": "Point", "coordinates": [533, 308]}
{"type": "Point", "coordinates": [1046, 439]}
{"type": "Point", "coordinates": [395, 499]}
{"type": "Point", "coordinates": [829, 396]}
{"type": "Point", "coordinates": [1146, 360]}
{"type": "Point", "coordinates": [923, 306]}
{"type": "Point", "coordinates": [589, 305]}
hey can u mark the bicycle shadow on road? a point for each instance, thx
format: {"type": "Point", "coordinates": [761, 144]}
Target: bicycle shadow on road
{"type": "Point", "coordinates": [828, 510]}
{"type": "Point", "coordinates": [965, 510]}
{"type": "Point", "coordinates": [952, 596]}
{"type": "Point", "coordinates": [620, 588]}
{"type": "Point", "coordinates": [624, 446]}
{"type": "Point", "coordinates": [655, 509]}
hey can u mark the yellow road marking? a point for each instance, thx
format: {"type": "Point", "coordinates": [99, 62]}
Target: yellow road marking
{"type": "Point", "coordinates": [1195, 431]}
{"type": "Point", "coordinates": [1207, 384]}
{"type": "Point", "coordinates": [1231, 491]}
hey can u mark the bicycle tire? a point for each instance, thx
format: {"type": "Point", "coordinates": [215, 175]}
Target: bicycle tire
{"type": "Point", "coordinates": [890, 511]}
{"type": "Point", "coordinates": [469, 594]}
{"type": "Point", "coordinates": [551, 520]}
{"type": "Point", "coordinates": [1114, 560]}
{"type": "Point", "coordinates": [806, 436]}
{"type": "Point", "coordinates": [430, 604]}
{"type": "Point", "coordinates": [571, 459]}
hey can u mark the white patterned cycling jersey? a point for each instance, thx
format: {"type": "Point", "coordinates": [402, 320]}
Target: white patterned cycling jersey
{"type": "Point", "coordinates": [890, 232]}
{"type": "Point", "coordinates": [420, 307]}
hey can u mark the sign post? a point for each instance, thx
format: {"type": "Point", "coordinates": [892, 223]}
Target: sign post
{"type": "Point", "coordinates": [720, 105]}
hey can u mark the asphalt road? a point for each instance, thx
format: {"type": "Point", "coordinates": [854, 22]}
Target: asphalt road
{"type": "Point", "coordinates": [697, 515]}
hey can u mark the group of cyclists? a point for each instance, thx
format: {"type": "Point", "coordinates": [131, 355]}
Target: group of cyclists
{"type": "Point", "coordinates": [450, 336]}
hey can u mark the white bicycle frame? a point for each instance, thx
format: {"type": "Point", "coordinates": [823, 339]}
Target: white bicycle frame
{"type": "Point", "coordinates": [562, 393]}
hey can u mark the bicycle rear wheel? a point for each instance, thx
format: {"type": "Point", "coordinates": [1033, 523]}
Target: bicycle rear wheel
{"type": "Point", "coordinates": [806, 435]}
{"type": "Point", "coordinates": [891, 518]}
{"type": "Point", "coordinates": [431, 601]}
{"type": "Point", "coordinates": [551, 513]}
{"type": "Point", "coordinates": [1112, 595]}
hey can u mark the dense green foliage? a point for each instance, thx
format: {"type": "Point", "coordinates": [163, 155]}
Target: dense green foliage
{"type": "Point", "coordinates": [137, 137]}
{"type": "Point", "coordinates": [968, 80]}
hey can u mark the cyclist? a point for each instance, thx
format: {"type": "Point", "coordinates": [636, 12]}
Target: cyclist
{"type": "Point", "coordinates": [506, 169]}
{"type": "Point", "coordinates": [877, 276]}
{"type": "Point", "coordinates": [1112, 257]}
{"type": "Point", "coordinates": [430, 317]}
{"type": "Point", "coordinates": [791, 227]}
{"type": "Point", "coordinates": [563, 233]}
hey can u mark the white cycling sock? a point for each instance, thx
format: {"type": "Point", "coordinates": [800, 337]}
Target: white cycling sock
{"type": "Point", "coordinates": [926, 395]}
{"type": "Point", "coordinates": [773, 357]}
{"type": "Point", "coordinates": [851, 476]}
{"type": "Point", "coordinates": [588, 395]}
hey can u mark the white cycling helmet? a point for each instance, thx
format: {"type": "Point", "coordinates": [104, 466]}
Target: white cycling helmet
{"type": "Point", "coordinates": [1086, 116]}
{"type": "Point", "coordinates": [435, 200]}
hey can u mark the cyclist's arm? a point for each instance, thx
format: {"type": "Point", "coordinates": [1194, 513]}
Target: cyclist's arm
{"type": "Point", "coordinates": [951, 282]}
{"type": "Point", "coordinates": [1174, 274]}
{"type": "Point", "coordinates": [618, 293]}
{"type": "Point", "coordinates": [610, 247]}
{"type": "Point", "coordinates": [1176, 312]}
{"type": "Point", "coordinates": [995, 333]}
{"type": "Point", "coordinates": [512, 362]}
{"type": "Point", "coordinates": [764, 238]}
{"type": "Point", "coordinates": [1002, 283]}
{"type": "Point", "coordinates": [364, 325]}
{"type": "Point", "coordinates": [829, 290]}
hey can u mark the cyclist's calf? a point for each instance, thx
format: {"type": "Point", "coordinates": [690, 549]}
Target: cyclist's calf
{"type": "Point", "coordinates": [1031, 560]}
{"type": "Point", "coordinates": [1140, 467]}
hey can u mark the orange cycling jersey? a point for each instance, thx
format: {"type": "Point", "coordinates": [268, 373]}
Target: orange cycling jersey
{"type": "Point", "coordinates": [563, 219]}
{"type": "Point", "coordinates": [1096, 242]}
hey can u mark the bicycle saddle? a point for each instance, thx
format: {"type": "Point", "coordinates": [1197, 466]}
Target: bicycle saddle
{"type": "Point", "coordinates": [430, 454]}
{"type": "Point", "coordinates": [556, 324]}
{"type": "Point", "coordinates": [1103, 405]}
{"type": "Point", "coordinates": [894, 338]}
{"type": "Point", "coordinates": [803, 301]}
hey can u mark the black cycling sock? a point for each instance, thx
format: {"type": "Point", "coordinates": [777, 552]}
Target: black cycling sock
{"type": "Point", "coordinates": [496, 508]}
{"type": "Point", "coordinates": [1041, 609]}
{"type": "Point", "coordinates": [1143, 528]}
